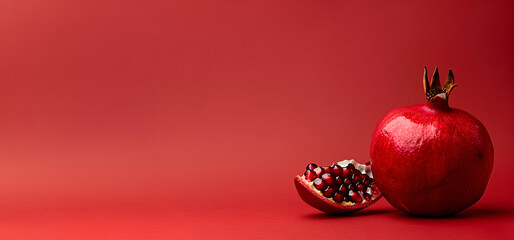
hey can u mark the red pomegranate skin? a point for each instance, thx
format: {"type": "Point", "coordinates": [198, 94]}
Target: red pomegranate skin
{"type": "Point", "coordinates": [430, 159]}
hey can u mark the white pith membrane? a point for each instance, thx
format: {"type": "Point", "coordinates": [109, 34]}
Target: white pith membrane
{"type": "Point", "coordinates": [362, 168]}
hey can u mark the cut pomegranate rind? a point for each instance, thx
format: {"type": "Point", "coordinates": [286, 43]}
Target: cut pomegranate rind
{"type": "Point", "coordinates": [316, 199]}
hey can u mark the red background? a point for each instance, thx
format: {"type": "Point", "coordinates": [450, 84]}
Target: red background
{"type": "Point", "coordinates": [189, 119]}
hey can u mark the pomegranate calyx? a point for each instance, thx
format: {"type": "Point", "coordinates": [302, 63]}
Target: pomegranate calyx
{"type": "Point", "coordinates": [450, 83]}
{"type": "Point", "coordinates": [433, 91]}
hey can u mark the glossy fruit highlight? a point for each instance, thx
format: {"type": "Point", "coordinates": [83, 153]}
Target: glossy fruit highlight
{"type": "Point", "coordinates": [430, 159]}
{"type": "Point", "coordinates": [342, 188]}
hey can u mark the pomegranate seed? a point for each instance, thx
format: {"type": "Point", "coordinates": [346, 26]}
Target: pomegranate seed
{"type": "Point", "coordinates": [367, 182]}
{"type": "Point", "coordinates": [346, 172]}
{"type": "Point", "coordinates": [343, 189]}
{"type": "Point", "coordinates": [309, 175]}
{"type": "Point", "coordinates": [339, 181]}
{"type": "Point", "coordinates": [350, 166]}
{"type": "Point", "coordinates": [319, 184]}
{"type": "Point", "coordinates": [311, 166]}
{"type": "Point", "coordinates": [361, 187]}
{"type": "Point", "coordinates": [339, 197]}
{"type": "Point", "coordinates": [356, 177]}
{"type": "Point", "coordinates": [318, 171]}
{"type": "Point", "coordinates": [347, 181]}
{"type": "Point", "coordinates": [327, 177]}
{"type": "Point", "coordinates": [374, 188]}
{"type": "Point", "coordinates": [327, 169]}
{"type": "Point", "coordinates": [346, 199]}
{"type": "Point", "coordinates": [352, 187]}
{"type": "Point", "coordinates": [365, 177]}
{"type": "Point", "coordinates": [367, 196]}
{"type": "Point", "coordinates": [354, 196]}
{"type": "Point", "coordinates": [336, 169]}
{"type": "Point", "coordinates": [329, 192]}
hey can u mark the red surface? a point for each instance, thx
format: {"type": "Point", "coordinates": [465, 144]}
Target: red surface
{"type": "Point", "coordinates": [190, 119]}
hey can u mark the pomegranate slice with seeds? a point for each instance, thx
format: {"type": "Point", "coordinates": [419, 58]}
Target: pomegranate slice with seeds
{"type": "Point", "coordinates": [342, 188]}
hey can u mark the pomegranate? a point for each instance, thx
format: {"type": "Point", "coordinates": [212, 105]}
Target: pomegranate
{"type": "Point", "coordinates": [344, 187]}
{"type": "Point", "coordinates": [430, 159]}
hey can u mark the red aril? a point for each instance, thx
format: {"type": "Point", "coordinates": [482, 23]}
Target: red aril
{"type": "Point", "coordinates": [344, 187]}
{"type": "Point", "coordinates": [430, 159]}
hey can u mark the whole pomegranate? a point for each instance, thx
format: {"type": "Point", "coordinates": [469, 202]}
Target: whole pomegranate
{"type": "Point", "coordinates": [430, 159]}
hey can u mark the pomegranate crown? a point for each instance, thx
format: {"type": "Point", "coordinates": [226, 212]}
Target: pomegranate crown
{"type": "Point", "coordinates": [434, 90]}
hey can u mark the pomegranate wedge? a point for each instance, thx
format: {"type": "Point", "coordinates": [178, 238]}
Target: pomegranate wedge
{"type": "Point", "coordinates": [342, 188]}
